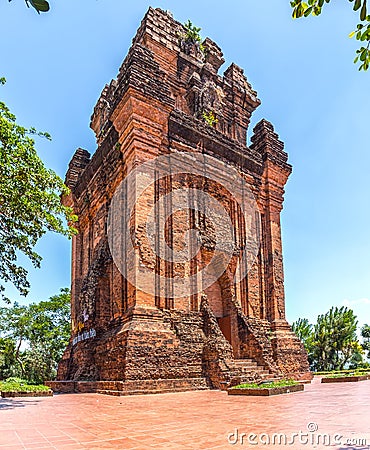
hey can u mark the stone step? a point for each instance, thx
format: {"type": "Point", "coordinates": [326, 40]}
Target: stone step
{"type": "Point", "coordinates": [247, 367]}
{"type": "Point", "coordinates": [241, 365]}
{"type": "Point", "coordinates": [248, 373]}
{"type": "Point", "coordinates": [263, 372]}
{"type": "Point", "coordinates": [244, 370]}
{"type": "Point", "coordinates": [131, 386]}
{"type": "Point", "coordinates": [244, 379]}
{"type": "Point", "coordinates": [259, 370]}
{"type": "Point", "coordinates": [247, 364]}
{"type": "Point", "coordinates": [270, 379]}
{"type": "Point", "coordinates": [244, 361]}
{"type": "Point", "coordinates": [150, 391]}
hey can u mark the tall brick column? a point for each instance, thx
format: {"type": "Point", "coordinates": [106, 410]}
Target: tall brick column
{"type": "Point", "coordinates": [289, 352]}
{"type": "Point", "coordinates": [276, 171]}
{"type": "Point", "coordinates": [77, 165]}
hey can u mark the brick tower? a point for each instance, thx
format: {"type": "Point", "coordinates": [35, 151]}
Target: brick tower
{"type": "Point", "coordinates": [168, 98]}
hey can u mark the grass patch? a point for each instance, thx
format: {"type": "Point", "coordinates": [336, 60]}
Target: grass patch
{"type": "Point", "coordinates": [345, 374]}
{"type": "Point", "coordinates": [273, 384]}
{"type": "Point", "coordinates": [19, 385]}
{"type": "Point", "coordinates": [361, 371]}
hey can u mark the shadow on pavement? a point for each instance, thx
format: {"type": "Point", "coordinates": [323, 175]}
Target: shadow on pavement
{"type": "Point", "coordinates": [7, 403]}
{"type": "Point", "coordinates": [367, 447]}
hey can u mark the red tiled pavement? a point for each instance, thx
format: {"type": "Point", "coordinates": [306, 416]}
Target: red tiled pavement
{"type": "Point", "coordinates": [190, 420]}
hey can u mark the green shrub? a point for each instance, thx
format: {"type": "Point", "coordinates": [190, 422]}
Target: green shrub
{"type": "Point", "coordinates": [272, 384]}
{"type": "Point", "coordinates": [14, 384]}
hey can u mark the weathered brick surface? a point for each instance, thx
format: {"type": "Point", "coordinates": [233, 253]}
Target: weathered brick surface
{"type": "Point", "coordinates": [26, 394]}
{"type": "Point", "coordinates": [122, 335]}
{"type": "Point", "coordinates": [267, 391]}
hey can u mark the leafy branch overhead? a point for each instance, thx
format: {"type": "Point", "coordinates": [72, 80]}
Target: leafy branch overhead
{"type": "Point", "coordinates": [29, 198]}
{"type": "Point", "coordinates": [39, 5]}
{"type": "Point", "coordinates": [362, 32]}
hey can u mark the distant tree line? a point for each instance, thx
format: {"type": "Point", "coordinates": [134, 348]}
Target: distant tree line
{"type": "Point", "coordinates": [332, 342]}
{"type": "Point", "coordinates": [33, 338]}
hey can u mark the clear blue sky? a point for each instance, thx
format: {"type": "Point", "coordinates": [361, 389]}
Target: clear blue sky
{"type": "Point", "coordinates": [56, 65]}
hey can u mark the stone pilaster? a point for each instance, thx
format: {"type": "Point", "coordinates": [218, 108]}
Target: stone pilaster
{"type": "Point", "coordinates": [77, 165]}
{"type": "Point", "coordinates": [275, 175]}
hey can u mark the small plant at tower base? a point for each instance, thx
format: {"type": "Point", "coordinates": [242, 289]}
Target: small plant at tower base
{"type": "Point", "coordinates": [267, 388]}
{"type": "Point", "coordinates": [272, 384]}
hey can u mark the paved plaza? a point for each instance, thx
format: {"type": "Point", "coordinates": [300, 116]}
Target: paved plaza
{"type": "Point", "coordinates": [335, 414]}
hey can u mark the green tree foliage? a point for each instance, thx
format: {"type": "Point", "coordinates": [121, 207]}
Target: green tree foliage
{"type": "Point", "coordinates": [335, 339]}
{"type": "Point", "coordinates": [304, 330]}
{"type": "Point", "coordinates": [29, 200]}
{"type": "Point", "coordinates": [39, 5]}
{"type": "Point", "coordinates": [362, 32]}
{"type": "Point", "coordinates": [14, 326]}
{"type": "Point", "coordinates": [8, 363]}
{"type": "Point", "coordinates": [36, 336]}
{"type": "Point", "coordinates": [332, 342]}
{"type": "Point", "coordinates": [365, 334]}
{"type": "Point", "coordinates": [49, 325]}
